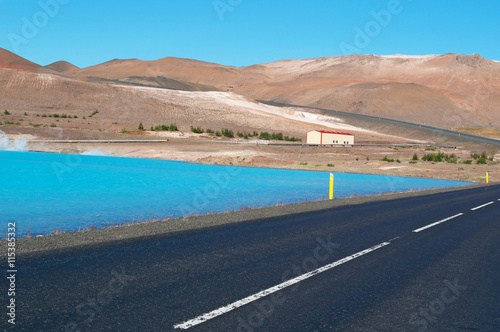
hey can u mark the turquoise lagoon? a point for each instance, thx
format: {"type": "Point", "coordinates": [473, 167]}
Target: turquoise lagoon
{"type": "Point", "coordinates": [44, 192]}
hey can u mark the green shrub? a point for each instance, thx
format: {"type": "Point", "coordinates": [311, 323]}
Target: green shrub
{"type": "Point", "coordinates": [482, 161]}
{"type": "Point", "coordinates": [227, 133]}
{"type": "Point", "coordinates": [441, 157]}
{"type": "Point", "coordinates": [171, 127]}
{"type": "Point", "coordinates": [451, 159]}
{"type": "Point", "coordinates": [210, 131]}
{"type": "Point", "coordinates": [53, 125]}
{"type": "Point", "coordinates": [387, 159]}
{"type": "Point", "coordinates": [141, 126]}
{"type": "Point", "coordinates": [197, 130]}
{"type": "Point", "coordinates": [265, 135]}
{"type": "Point", "coordinates": [415, 157]}
{"type": "Point", "coordinates": [303, 164]}
{"type": "Point", "coordinates": [218, 134]}
{"type": "Point", "coordinates": [467, 162]}
{"type": "Point", "coordinates": [480, 158]}
{"type": "Point", "coordinates": [161, 128]}
{"type": "Point", "coordinates": [6, 112]}
{"type": "Point", "coordinates": [330, 165]}
{"type": "Point", "coordinates": [277, 136]}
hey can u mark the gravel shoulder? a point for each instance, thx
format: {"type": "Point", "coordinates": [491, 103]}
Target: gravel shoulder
{"type": "Point", "coordinates": [45, 245]}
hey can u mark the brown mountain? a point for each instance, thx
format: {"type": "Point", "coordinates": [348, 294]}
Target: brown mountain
{"type": "Point", "coordinates": [9, 60]}
{"type": "Point", "coordinates": [62, 67]}
{"type": "Point", "coordinates": [180, 69]}
{"type": "Point", "coordinates": [447, 91]}
{"type": "Point", "coordinates": [450, 90]}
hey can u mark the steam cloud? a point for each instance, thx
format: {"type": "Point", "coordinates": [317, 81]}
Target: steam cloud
{"type": "Point", "coordinates": [16, 145]}
{"type": "Point", "coordinates": [94, 152]}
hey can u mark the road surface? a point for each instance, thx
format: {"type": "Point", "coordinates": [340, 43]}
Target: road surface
{"type": "Point", "coordinates": [430, 129]}
{"type": "Point", "coordinates": [428, 263]}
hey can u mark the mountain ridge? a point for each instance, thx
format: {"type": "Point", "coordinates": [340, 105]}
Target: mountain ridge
{"type": "Point", "coordinates": [448, 91]}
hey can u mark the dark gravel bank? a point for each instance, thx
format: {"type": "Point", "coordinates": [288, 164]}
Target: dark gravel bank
{"type": "Point", "coordinates": [105, 236]}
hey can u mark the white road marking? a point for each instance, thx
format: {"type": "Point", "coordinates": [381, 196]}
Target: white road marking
{"type": "Point", "coordinates": [436, 223]}
{"type": "Point", "coordinates": [481, 206]}
{"type": "Point", "coordinates": [203, 318]}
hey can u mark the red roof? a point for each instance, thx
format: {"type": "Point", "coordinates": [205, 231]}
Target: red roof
{"type": "Point", "coordinates": [332, 132]}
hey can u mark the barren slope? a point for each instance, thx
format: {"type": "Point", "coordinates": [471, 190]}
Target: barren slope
{"type": "Point", "coordinates": [124, 107]}
{"type": "Point", "coordinates": [465, 87]}
{"type": "Point", "coordinates": [447, 91]}
{"type": "Point", "coordinates": [62, 67]}
{"type": "Point", "coordinates": [10, 60]}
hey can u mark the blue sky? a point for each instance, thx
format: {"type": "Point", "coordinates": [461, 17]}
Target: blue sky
{"type": "Point", "coordinates": [244, 32]}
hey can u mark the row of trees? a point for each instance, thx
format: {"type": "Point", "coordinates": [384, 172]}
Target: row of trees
{"type": "Point", "coordinates": [226, 133]}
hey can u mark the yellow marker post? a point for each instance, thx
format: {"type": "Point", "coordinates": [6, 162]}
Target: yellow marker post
{"type": "Point", "coordinates": [487, 176]}
{"type": "Point", "coordinates": [331, 185]}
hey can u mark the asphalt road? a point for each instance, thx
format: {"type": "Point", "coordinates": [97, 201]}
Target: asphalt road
{"type": "Point", "coordinates": [370, 267]}
{"type": "Point", "coordinates": [430, 129]}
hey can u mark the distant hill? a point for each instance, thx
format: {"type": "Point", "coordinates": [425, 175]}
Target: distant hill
{"type": "Point", "coordinates": [447, 91]}
{"type": "Point", "coordinates": [180, 69]}
{"type": "Point", "coordinates": [9, 60]}
{"type": "Point", "coordinates": [62, 67]}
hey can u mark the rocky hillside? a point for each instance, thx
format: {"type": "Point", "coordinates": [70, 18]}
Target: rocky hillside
{"type": "Point", "coordinates": [447, 91]}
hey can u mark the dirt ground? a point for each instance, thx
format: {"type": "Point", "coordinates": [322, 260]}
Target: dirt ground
{"type": "Point", "coordinates": [362, 158]}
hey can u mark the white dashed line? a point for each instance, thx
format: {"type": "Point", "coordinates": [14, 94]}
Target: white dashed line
{"type": "Point", "coordinates": [212, 314]}
{"type": "Point", "coordinates": [437, 223]}
{"type": "Point", "coordinates": [482, 206]}
{"type": "Point", "coordinates": [223, 310]}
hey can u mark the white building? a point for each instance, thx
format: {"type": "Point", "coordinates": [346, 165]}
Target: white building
{"type": "Point", "coordinates": [329, 137]}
